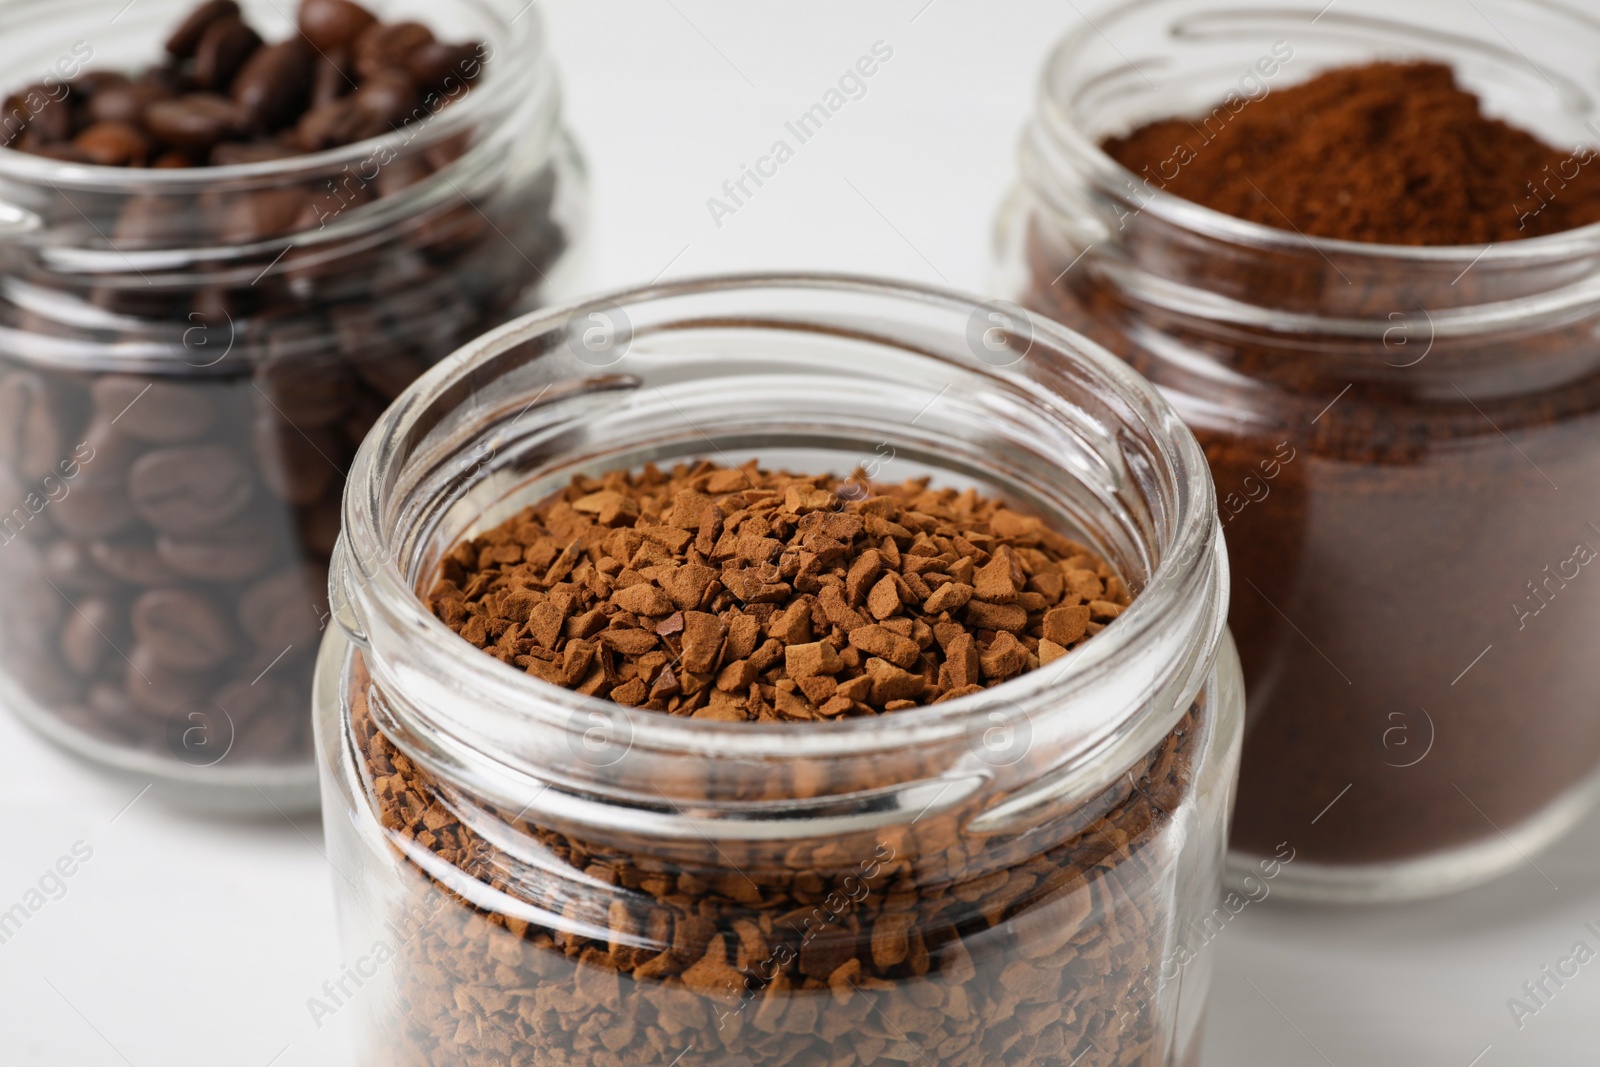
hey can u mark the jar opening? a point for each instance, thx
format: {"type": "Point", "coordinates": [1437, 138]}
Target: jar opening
{"type": "Point", "coordinates": [1160, 59]}
{"type": "Point", "coordinates": [36, 32]}
{"type": "Point", "coordinates": [1187, 62]}
{"type": "Point", "coordinates": [783, 369]}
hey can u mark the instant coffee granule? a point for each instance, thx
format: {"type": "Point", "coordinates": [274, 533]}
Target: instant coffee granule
{"type": "Point", "coordinates": [1403, 562]}
{"type": "Point", "coordinates": [739, 594]}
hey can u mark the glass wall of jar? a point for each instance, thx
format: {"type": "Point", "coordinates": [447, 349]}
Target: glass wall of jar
{"type": "Point", "coordinates": [1405, 440]}
{"type": "Point", "coordinates": [1021, 876]}
{"type": "Point", "coordinates": [188, 361]}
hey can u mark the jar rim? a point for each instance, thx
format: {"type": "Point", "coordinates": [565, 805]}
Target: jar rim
{"type": "Point", "coordinates": [1191, 571]}
{"type": "Point", "coordinates": [525, 38]}
{"type": "Point", "coordinates": [1110, 178]}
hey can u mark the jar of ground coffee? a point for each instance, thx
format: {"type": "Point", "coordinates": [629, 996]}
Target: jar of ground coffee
{"type": "Point", "coordinates": [1356, 247]}
{"type": "Point", "coordinates": [779, 671]}
{"type": "Point", "coordinates": [229, 237]}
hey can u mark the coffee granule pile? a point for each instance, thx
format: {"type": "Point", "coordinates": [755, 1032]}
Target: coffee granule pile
{"type": "Point", "coordinates": [742, 594]}
{"type": "Point", "coordinates": [928, 943]}
{"type": "Point", "coordinates": [1393, 153]}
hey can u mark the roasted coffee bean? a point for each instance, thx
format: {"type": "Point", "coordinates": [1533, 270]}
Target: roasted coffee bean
{"type": "Point", "coordinates": [68, 566]}
{"type": "Point", "coordinates": [390, 373]}
{"type": "Point", "coordinates": [153, 409]}
{"type": "Point", "coordinates": [182, 630]}
{"type": "Point", "coordinates": [97, 506]}
{"type": "Point", "coordinates": [224, 47]}
{"type": "Point", "coordinates": [126, 103]}
{"type": "Point", "coordinates": [332, 79]}
{"type": "Point", "coordinates": [298, 465]}
{"type": "Point", "coordinates": [157, 689]}
{"type": "Point", "coordinates": [114, 144]}
{"type": "Point", "coordinates": [433, 65]}
{"type": "Point", "coordinates": [133, 561]}
{"type": "Point", "coordinates": [152, 221]}
{"type": "Point", "coordinates": [268, 737]}
{"type": "Point", "coordinates": [196, 122]}
{"type": "Point", "coordinates": [286, 608]}
{"type": "Point", "coordinates": [338, 122]}
{"type": "Point", "coordinates": [32, 440]}
{"type": "Point", "coordinates": [268, 718]}
{"type": "Point", "coordinates": [446, 152]}
{"type": "Point", "coordinates": [244, 702]}
{"type": "Point", "coordinates": [90, 637]}
{"type": "Point", "coordinates": [186, 38]}
{"type": "Point", "coordinates": [189, 489]}
{"type": "Point", "coordinates": [274, 84]}
{"type": "Point", "coordinates": [106, 446]}
{"type": "Point", "coordinates": [96, 503]}
{"type": "Point", "coordinates": [300, 385]}
{"type": "Point", "coordinates": [237, 551]}
{"type": "Point", "coordinates": [176, 82]}
{"type": "Point", "coordinates": [232, 153]}
{"type": "Point", "coordinates": [388, 97]}
{"type": "Point", "coordinates": [403, 173]}
{"type": "Point", "coordinates": [92, 83]}
{"type": "Point", "coordinates": [385, 45]}
{"type": "Point", "coordinates": [172, 160]}
{"type": "Point", "coordinates": [14, 132]}
{"type": "Point", "coordinates": [330, 24]}
{"type": "Point", "coordinates": [256, 216]}
{"type": "Point", "coordinates": [45, 113]}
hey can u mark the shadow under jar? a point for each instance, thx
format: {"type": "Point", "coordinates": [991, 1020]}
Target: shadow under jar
{"type": "Point", "coordinates": [1006, 878]}
{"type": "Point", "coordinates": [189, 359]}
{"type": "Point", "coordinates": [1405, 440]}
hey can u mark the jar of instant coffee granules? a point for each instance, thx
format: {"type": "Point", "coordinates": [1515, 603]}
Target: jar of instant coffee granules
{"type": "Point", "coordinates": [852, 687]}
{"type": "Point", "coordinates": [227, 242]}
{"type": "Point", "coordinates": [1382, 329]}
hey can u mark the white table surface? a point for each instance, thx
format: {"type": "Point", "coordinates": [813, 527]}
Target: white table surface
{"type": "Point", "coordinates": [193, 940]}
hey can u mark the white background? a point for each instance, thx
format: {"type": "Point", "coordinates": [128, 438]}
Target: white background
{"type": "Point", "coordinates": [194, 940]}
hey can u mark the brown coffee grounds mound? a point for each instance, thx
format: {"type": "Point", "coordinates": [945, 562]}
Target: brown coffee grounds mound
{"type": "Point", "coordinates": [748, 595]}
{"type": "Point", "coordinates": [1394, 153]}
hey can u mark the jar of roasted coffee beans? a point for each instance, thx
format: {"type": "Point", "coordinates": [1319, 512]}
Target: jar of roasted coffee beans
{"type": "Point", "coordinates": [1356, 245]}
{"type": "Point", "coordinates": [229, 237]}
{"type": "Point", "coordinates": [779, 670]}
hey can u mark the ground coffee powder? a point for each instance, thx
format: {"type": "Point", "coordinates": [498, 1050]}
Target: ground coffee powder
{"type": "Point", "coordinates": [749, 595]}
{"type": "Point", "coordinates": [1394, 153]}
{"type": "Point", "coordinates": [1408, 509]}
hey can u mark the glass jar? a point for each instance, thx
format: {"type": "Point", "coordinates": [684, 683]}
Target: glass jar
{"type": "Point", "coordinates": [1021, 876]}
{"type": "Point", "coordinates": [1405, 440]}
{"type": "Point", "coordinates": [188, 361]}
